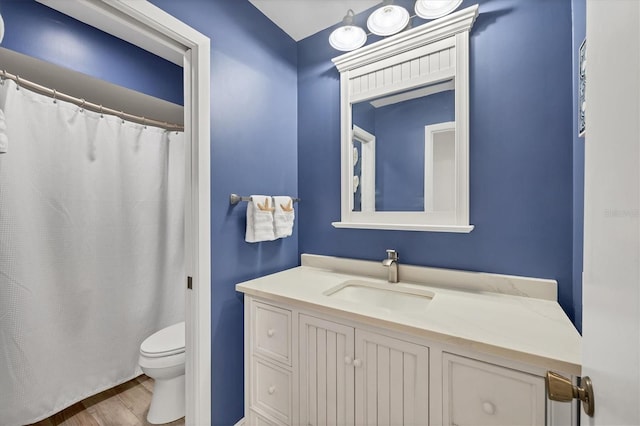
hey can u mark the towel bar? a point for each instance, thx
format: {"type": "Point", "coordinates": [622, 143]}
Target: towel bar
{"type": "Point", "coordinates": [235, 199]}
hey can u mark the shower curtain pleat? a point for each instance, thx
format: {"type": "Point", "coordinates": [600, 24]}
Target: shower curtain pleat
{"type": "Point", "coordinates": [91, 250]}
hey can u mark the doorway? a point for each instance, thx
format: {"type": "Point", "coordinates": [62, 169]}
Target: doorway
{"type": "Point", "coordinates": [150, 28]}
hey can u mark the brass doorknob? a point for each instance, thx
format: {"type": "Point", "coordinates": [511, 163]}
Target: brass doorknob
{"type": "Point", "coordinates": [559, 388]}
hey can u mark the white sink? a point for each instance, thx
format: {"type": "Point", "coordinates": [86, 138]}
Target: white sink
{"type": "Point", "coordinates": [392, 297]}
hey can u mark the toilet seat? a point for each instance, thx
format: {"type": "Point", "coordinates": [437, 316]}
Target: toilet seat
{"type": "Point", "coordinates": [163, 343]}
{"type": "Point", "coordinates": [169, 361]}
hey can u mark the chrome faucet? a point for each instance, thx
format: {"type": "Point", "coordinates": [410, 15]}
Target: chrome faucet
{"type": "Point", "coordinates": [391, 262]}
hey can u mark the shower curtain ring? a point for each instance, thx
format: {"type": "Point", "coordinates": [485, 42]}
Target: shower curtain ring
{"type": "Point", "coordinates": [144, 122]}
{"type": "Point", "coordinates": [101, 115]}
{"type": "Point", "coordinates": [122, 116]}
{"type": "Point", "coordinates": [54, 97]}
{"type": "Point", "coordinates": [82, 105]}
{"type": "Point", "coordinates": [4, 77]}
{"type": "Point", "coordinates": [18, 82]}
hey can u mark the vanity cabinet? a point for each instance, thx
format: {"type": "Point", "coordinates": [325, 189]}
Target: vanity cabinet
{"type": "Point", "coordinates": [306, 367]}
{"type": "Point", "coordinates": [350, 375]}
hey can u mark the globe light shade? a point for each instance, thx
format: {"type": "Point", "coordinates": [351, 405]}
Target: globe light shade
{"type": "Point", "coordinates": [1, 29]}
{"type": "Point", "coordinates": [434, 9]}
{"type": "Point", "coordinates": [347, 38]}
{"type": "Point", "coordinates": [387, 20]}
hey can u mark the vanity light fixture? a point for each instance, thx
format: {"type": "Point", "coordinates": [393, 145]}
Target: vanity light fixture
{"type": "Point", "coordinates": [388, 19]}
{"type": "Point", "coordinates": [347, 37]}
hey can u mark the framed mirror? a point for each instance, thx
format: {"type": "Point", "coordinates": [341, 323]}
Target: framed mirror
{"type": "Point", "coordinates": [404, 129]}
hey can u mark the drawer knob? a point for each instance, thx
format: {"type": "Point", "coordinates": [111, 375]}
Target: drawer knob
{"type": "Point", "coordinates": [271, 332]}
{"type": "Point", "coordinates": [488, 407]}
{"type": "Point", "coordinates": [271, 390]}
{"type": "Point", "coordinates": [357, 362]}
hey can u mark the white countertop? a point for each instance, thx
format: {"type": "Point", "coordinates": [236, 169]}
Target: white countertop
{"type": "Point", "coordinates": [482, 318]}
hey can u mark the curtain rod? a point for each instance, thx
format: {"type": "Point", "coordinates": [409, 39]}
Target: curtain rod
{"type": "Point", "coordinates": [52, 93]}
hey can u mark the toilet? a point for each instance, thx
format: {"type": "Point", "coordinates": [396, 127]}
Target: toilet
{"type": "Point", "coordinates": [162, 358]}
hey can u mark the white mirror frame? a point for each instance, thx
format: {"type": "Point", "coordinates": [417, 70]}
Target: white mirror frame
{"type": "Point", "coordinates": [435, 52]}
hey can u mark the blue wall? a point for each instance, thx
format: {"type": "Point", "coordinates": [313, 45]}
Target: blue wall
{"type": "Point", "coordinates": [579, 14]}
{"type": "Point", "coordinates": [520, 152]}
{"type": "Point", "coordinates": [253, 151]}
{"type": "Point", "coordinates": [43, 33]}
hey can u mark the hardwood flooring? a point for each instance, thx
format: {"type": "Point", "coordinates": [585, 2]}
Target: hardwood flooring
{"type": "Point", "coordinates": [124, 405]}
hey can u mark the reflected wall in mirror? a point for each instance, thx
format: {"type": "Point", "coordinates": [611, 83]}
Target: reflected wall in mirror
{"type": "Point", "coordinates": [399, 123]}
{"type": "Point", "coordinates": [404, 105]}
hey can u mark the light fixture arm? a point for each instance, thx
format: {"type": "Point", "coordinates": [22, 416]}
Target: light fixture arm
{"type": "Point", "coordinates": [348, 18]}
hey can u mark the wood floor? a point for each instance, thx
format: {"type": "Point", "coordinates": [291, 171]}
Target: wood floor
{"type": "Point", "coordinates": [124, 405]}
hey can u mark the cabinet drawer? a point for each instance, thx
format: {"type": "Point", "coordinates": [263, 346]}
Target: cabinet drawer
{"type": "Point", "coordinates": [477, 393]}
{"type": "Point", "coordinates": [271, 332]}
{"type": "Point", "coordinates": [271, 390]}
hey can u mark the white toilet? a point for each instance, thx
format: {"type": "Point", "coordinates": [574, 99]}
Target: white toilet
{"type": "Point", "coordinates": [162, 358]}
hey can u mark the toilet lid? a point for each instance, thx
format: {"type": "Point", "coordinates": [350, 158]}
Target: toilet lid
{"type": "Point", "coordinates": [168, 341]}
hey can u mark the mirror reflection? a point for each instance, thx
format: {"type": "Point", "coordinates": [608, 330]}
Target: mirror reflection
{"type": "Point", "coordinates": [403, 151]}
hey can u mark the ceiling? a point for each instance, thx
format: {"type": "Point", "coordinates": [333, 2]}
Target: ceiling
{"type": "Point", "coordinates": [302, 18]}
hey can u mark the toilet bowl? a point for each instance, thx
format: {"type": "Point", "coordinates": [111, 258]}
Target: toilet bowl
{"type": "Point", "coordinates": [162, 358]}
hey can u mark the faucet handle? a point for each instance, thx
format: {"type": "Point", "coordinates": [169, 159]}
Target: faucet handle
{"type": "Point", "coordinates": [392, 254]}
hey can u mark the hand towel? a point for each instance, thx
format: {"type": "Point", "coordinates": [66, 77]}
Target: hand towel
{"type": "Point", "coordinates": [283, 216]}
{"type": "Point", "coordinates": [4, 140]}
{"type": "Point", "coordinates": [259, 219]}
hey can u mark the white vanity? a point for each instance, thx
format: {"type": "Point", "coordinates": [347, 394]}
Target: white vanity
{"type": "Point", "coordinates": [333, 343]}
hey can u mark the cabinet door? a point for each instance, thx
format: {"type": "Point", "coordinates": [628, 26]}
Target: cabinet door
{"type": "Point", "coordinates": [392, 381]}
{"type": "Point", "coordinates": [477, 393]}
{"type": "Point", "coordinates": [326, 373]}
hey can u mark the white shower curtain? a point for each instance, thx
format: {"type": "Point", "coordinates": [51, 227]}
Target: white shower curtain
{"type": "Point", "coordinates": [91, 250]}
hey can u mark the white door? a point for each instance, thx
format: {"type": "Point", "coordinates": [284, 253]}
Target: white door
{"type": "Point", "coordinates": [611, 289]}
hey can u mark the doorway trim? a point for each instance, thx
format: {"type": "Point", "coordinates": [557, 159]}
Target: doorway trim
{"type": "Point", "coordinates": [151, 28]}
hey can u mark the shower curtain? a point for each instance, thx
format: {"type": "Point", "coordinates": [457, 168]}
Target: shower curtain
{"type": "Point", "coordinates": [91, 250]}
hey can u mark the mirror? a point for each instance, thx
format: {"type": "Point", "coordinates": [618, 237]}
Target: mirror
{"type": "Point", "coordinates": [396, 172]}
{"type": "Point", "coordinates": [404, 137]}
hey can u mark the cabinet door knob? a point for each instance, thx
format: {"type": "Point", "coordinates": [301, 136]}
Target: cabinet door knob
{"type": "Point", "coordinates": [357, 362]}
{"type": "Point", "coordinates": [271, 332]}
{"type": "Point", "coordinates": [488, 407]}
{"type": "Point", "coordinates": [271, 390]}
{"type": "Point", "coordinates": [347, 360]}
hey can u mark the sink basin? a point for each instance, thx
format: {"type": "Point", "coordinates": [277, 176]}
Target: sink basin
{"type": "Point", "coordinates": [387, 296]}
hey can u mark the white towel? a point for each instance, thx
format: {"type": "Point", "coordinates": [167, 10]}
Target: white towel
{"type": "Point", "coordinates": [283, 216]}
{"type": "Point", "coordinates": [4, 140]}
{"type": "Point", "coordinates": [259, 219]}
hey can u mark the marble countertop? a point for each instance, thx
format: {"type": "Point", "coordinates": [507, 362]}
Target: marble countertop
{"type": "Point", "coordinates": [513, 317]}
